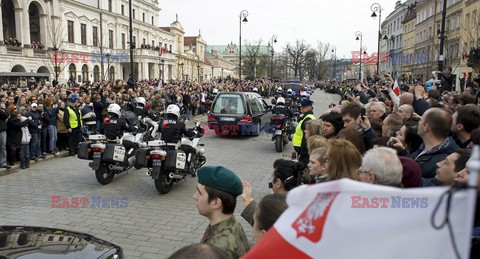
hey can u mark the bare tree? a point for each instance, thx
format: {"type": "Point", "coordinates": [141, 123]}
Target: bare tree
{"type": "Point", "coordinates": [255, 62]}
{"type": "Point", "coordinates": [56, 62]}
{"type": "Point", "coordinates": [323, 50]}
{"type": "Point", "coordinates": [296, 56]}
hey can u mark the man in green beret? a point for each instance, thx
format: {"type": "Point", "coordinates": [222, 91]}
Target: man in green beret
{"type": "Point", "coordinates": [216, 198]}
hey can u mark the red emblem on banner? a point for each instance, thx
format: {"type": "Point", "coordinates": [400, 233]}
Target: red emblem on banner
{"type": "Point", "coordinates": [311, 222]}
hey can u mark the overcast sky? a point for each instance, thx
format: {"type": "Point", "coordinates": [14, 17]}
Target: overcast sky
{"type": "Point", "coordinates": [333, 21]}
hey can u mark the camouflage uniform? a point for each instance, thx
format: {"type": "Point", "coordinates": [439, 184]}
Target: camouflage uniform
{"type": "Point", "coordinates": [229, 236]}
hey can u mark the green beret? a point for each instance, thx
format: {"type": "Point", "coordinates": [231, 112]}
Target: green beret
{"type": "Point", "coordinates": [220, 178]}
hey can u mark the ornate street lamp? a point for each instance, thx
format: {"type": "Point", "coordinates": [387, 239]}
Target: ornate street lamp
{"type": "Point", "coordinates": [334, 51]}
{"type": "Point", "coordinates": [274, 40]}
{"type": "Point", "coordinates": [376, 7]}
{"type": "Point", "coordinates": [243, 14]}
{"type": "Point", "coordinates": [359, 36]}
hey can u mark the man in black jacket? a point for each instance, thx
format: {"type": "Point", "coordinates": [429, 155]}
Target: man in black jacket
{"type": "Point", "coordinates": [3, 133]}
{"type": "Point", "coordinates": [446, 80]}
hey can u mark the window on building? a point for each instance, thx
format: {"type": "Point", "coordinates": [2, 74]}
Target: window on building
{"type": "Point", "coordinates": [83, 33]}
{"type": "Point", "coordinates": [95, 36]}
{"type": "Point", "coordinates": [123, 40]}
{"type": "Point", "coordinates": [109, 5]}
{"type": "Point", "coordinates": [153, 43]}
{"type": "Point", "coordinates": [133, 13]}
{"type": "Point", "coordinates": [123, 9]}
{"type": "Point", "coordinates": [110, 39]}
{"type": "Point", "coordinates": [143, 17]}
{"type": "Point", "coordinates": [144, 42]}
{"type": "Point", "coordinates": [430, 32]}
{"type": "Point", "coordinates": [170, 49]}
{"type": "Point", "coordinates": [474, 19]}
{"type": "Point", "coordinates": [135, 41]}
{"type": "Point", "coordinates": [70, 31]}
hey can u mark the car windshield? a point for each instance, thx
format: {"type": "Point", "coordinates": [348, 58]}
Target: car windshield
{"type": "Point", "coordinates": [229, 104]}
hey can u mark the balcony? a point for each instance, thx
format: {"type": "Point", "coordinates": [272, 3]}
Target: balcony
{"type": "Point", "coordinates": [14, 50]}
{"type": "Point", "coordinates": [40, 53]}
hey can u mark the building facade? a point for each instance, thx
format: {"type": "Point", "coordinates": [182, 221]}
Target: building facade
{"type": "Point", "coordinates": [425, 35]}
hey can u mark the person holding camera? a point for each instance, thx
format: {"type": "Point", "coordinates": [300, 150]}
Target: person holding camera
{"type": "Point", "coordinates": [446, 80]}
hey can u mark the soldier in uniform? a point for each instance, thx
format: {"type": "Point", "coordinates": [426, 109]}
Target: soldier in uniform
{"type": "Point", "coordinates": [216, 199]}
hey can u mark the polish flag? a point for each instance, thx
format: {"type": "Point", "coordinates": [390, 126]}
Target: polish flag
{"type": "Point", "coordinates": [161, 52]}
{"type": "Point", "coordinates": [396, 89]}
{"type": "Point", "coordinates": [350, 219]}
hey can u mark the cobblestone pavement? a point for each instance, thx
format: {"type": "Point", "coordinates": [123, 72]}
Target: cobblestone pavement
{"type": "Point", "coordinates": [153, 225]}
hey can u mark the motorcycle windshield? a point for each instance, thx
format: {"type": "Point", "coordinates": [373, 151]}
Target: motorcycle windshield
{"type": "Point", "coordinates": [131, 118]}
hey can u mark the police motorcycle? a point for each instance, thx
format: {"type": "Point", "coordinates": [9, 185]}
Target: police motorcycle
{"type": "Point", "coordinates": [282, 124]}
{"type": "Point", "coordinates": [148, 119]}
{"type": "Point", "coordinates": [168, 163]}
{"type": "Point", "coordinates": [110, 157]}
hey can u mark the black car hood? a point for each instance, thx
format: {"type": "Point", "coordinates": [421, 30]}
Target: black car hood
{"type": "Point", "coordinates": [38, 242]}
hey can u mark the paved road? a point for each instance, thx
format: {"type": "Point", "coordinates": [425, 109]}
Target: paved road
{"type": "Point", "coordinates": [153, 225]}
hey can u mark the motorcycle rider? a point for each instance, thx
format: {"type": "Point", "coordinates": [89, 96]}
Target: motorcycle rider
{"type": "Point", "coordinates": [140, 109]}
{"type": "Point", "coordinates": [114, 127]}
{"type": "Point", "coordinates": [173, 128]}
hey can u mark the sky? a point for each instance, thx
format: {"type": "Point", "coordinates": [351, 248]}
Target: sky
{"type": "Point", "coordinates": [327, 21]}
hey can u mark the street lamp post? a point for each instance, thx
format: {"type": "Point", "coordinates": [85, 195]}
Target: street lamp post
{"type": "Point", "coordinates": [55, 49]}
{"type": "Point", "coordinates": [376, 7]}
{"type": "Point", "coordinates": [334, 51]}
{"type": "Point", "coordinates": [222, 72]}
{"type": "Point", "coordinates": [274, 40]}
{"type": "Point", "coordinates": [442, 37]}
{"type": "Point", "coordinates": [359, 36]}
{"type": "Point", "coordinates": [108, 66]}
{"type": "Point", "coordinates": [132, 76]}
{"type": "Point", "coordinates": [212, 74]}
{"type": "Point", "coordinates": [243, 14]}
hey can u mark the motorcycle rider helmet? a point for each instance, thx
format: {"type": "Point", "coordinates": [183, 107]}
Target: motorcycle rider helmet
{"type": "Point", "coordinates": [141, 101]}
{"type": "Point", "coordinates": [304, 94]}
{"type": "Point", "coordinates": [280, 101]}
{"type": "Point", "coordinates": [289, 91]}
{"type": "Point", "coordinates": [174, 110]}
{"type": "Point", "coordinates": [114, 109]}
{"type": "Point", "coordinates": [215, 91]}
{"type": "Point", "coordinates": [279, 89]}
{"type": "Point", "coordinates": [255, 90]}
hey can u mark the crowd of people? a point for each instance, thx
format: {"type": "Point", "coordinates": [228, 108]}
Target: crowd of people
{"type": "Point", "coordinates": [415, 138]}
{"type": "Point", "coordinates": [48, 117]}
{"type": "Point", "coordinates": [12, 42]}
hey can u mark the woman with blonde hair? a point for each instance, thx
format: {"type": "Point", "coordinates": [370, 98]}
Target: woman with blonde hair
{"type": "Point", "coordinates": [313, 127]}
{"type": "Point", "coordinates": [343, 159]}
{"type": "Point", "coordinates": [315, 142]}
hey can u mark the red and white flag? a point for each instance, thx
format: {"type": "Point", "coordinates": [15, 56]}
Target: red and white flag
{"type": "Point", "coordinates": [350, 219]}
{"type": "Point", "coordinates": [396, 89]}
{"type": "Point", "coordinates": [160, 52]}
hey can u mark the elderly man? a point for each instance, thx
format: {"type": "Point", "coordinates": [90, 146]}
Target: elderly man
{"type": "Point", "coordinates": [434, 128]}
{"type": "Point", "coordinates": [377, 110]}
{"type": "Point", "coordinates": [448, 169]}
{"type": "Point", "coordinates": [381, 166]}
{"type": "Point", "coordinates": [405, 111]}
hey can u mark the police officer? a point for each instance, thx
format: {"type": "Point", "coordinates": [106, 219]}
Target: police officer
{"type": "Point", "coordinates": [216, 199]}
{"type": "Point", "coordinates": [280, 107]}
{"type": "Point", "coordinates": [73, 122]}
{"type": "Point", "coordinates": [115, 126]}
{"type": "Point", "coordinates": [299, 141]}
{"type": "Point", "coordinates": [173, 129]}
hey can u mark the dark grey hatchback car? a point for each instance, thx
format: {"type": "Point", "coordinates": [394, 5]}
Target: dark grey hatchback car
{"type": "Point", "coordinates": [239, 113]}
